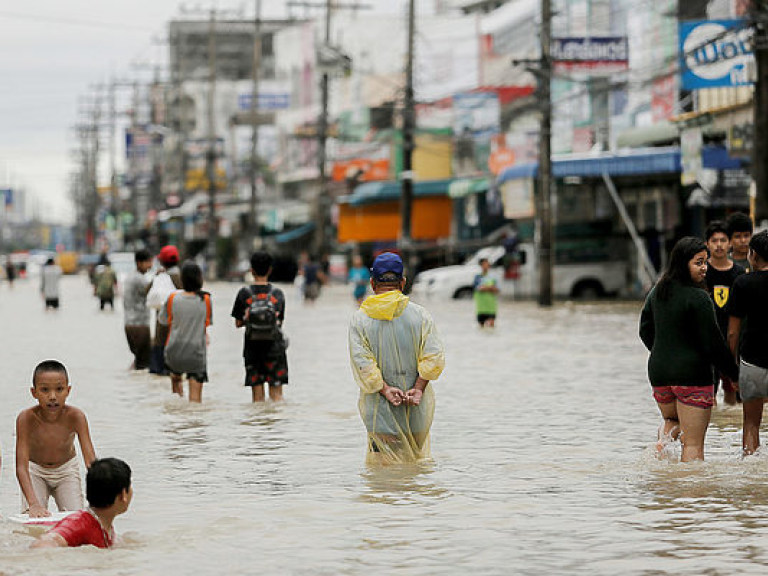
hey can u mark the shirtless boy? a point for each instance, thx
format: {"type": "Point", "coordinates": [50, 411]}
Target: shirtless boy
{"type": "Point", "coordinates": [46, 462]}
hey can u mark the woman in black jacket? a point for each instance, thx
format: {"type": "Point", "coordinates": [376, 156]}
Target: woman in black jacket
{"type": "Point", "coordinates": [679, 327]}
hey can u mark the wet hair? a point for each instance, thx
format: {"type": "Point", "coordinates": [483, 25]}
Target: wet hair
{"type": "Point", "coordinates": [759, 244]}
{"type": "Point", "coordinates": [482, 260]}
{"type": "Point", "coordinates": [49, 366]}
{"type": "Point", "coordinates": [49, 262]}
{"type": "Point", "coordinates": [142, 255]}
{"type": "Point", "coordinates": [107, 478]}
{"type": "Point", "coordinates": [677, 268]}
{"type": "Point", "coordinates": [739, 222]}
{"type": "Point", "coordinates": [191, 277]}
{"type": "Point", "coordinates": [261, 262]}
{"type": "Point", "coordinates": [715, 227]}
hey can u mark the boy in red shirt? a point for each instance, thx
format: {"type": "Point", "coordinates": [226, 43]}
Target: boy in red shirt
{"type": "Point", "coordinates": [108, 490]}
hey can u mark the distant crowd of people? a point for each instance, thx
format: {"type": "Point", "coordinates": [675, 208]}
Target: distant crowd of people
{"type": "Point", "coordinates": [395, 353]}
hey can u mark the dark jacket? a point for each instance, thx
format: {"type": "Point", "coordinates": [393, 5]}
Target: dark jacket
{"type": "Point", "coordinates": [683, 337]}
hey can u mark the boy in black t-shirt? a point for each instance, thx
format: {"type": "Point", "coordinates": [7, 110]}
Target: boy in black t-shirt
{"type": "Point", "coordinates": [740, 230]}
{"type": "Point", "coordinates": [721, 272]}
{"type": "Point", "coordinates": [748, 304]}
{"type": "Point", "coordinates": [264, 346]}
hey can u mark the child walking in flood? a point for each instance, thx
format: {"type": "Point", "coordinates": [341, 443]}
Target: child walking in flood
{"type": "Point", "coordinates": [188, 313]}
{"type": "Point", "coordinates": [46, 462]}
{"type": "Point", "coordinates": [260, 308]}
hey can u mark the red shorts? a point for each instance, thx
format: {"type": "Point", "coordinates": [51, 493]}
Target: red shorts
{"type": "Point", "coordinates": [698, 396]}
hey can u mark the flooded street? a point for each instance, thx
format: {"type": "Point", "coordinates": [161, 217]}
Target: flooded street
{"type": "Point", "coordinates": [542, 446]}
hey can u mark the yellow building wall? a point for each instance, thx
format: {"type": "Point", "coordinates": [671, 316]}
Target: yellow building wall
{"type": "Point", "coordinates": [430, 220]}
{"type": "Point", "coordinates": [432, 157]}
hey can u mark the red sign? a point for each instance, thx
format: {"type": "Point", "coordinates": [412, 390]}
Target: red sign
{"type": "Point", "coordinates": [368, 170]}
{"type": "Point", "coordinates": [500, 159]}
{"type": "Point", "coordinates": [663, 97]}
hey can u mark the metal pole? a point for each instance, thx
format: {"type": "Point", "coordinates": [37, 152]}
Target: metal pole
{"type": "Point", "coordinates": [253, 222]}
{"type": "Point", "coordinates": [211, 154]}
{"type": "Point", "coordinates": [759, 169]}
{"type": "Point", "coordinates": [406, 199]}
{"type": "Point", "coordinates": [544, 208]}
{"type": "Point", "coordinates": [112, 156]}
{"type": "Point", "coordinates": [322, 136]}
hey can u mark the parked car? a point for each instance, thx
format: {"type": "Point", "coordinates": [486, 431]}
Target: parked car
{"type": "Point", "coordinates": [517, 276]}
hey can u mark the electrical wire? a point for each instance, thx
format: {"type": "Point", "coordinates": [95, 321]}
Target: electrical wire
{"type": "Point", "coordinates": [38, 19]}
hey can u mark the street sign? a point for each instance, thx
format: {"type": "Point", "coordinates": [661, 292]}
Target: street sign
{"type": "Point", "coordinates": [595, 55]}
{"type": "Point", "coordinates": [715, 53]}
{"type": "Point", "coordinates": [266, 101]}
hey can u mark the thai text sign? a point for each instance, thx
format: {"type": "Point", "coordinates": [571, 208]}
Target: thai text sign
{"type": "Point", "coordinates": [266, 101]}
{"type": "Point", "coordinates": [595, 55]}
{"type": "Point", "coordinates": [715, 53]}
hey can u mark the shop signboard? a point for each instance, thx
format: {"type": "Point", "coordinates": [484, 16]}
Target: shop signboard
{"type": "Point", "coordinates": [266, 101]}
{"type": "Point", "coordinates": [595, 55]}
{"type": "Point", "coordinates": [517, 196]}
{"type": "Point", "coordinates": [476, 119]}
{"type": "Point", "coordinates": [690, 150]}
{"type": "Point", "coordinates": [740, 139]}
{"type": "Point", "coordinates": [715, 53]}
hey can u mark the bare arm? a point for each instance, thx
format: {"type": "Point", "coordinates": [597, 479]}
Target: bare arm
{"type": "Point", "coordinates": [36, 510]}
{"type": "Point", "coordinates": [84, 437]}
{"type": "Point", "coordinates": [734, 331]}
{"type": "Point", "coordinates": [50, 540]}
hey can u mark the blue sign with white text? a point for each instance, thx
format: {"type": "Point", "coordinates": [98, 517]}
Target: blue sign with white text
{"type": "Point", "coordinates": [266, 101]}
{"type": "Point", "coordinates": [715, 53]}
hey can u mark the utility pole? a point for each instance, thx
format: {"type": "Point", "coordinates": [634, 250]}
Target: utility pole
{"type": "Point", "coordinates": [406, 200]}
{"type": "Point", "coordinates": [253, 220]}
{"type": "Point", "coordinates": [210, 156]}
{"type": "Point", "coordinates": [322, 137]}
{"type": "Point", "coordinates": [113, 153]}
{"type": "Point", "coordinates": [759, 169]}
{"type": "Point", "coordinates": [544, 197]}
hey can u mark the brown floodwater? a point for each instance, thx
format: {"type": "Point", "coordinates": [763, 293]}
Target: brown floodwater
{"type": "Point", "coordinates": [542, 453]}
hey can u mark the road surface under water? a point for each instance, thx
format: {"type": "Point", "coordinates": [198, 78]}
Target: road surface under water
{"type": "Point", "coordinates": [542, 446]}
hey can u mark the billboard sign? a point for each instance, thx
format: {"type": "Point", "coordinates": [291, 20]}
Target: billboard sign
{"type": "Point", "coordinates": [596, 56]}
{"type": "Point", "coordinates": [715, 53]}
{"type": "Point", "coordinates": [266, 101]}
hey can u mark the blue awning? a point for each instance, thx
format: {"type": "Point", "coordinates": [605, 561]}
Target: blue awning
{"type": "Point", "coordinates": [624, 163]}
{"type": "Point", "coordinates": [294, 234]}
{"type": "Point", "coordinates": [717, 158]}
{"type": "Point", "coordinates": [373, 192]}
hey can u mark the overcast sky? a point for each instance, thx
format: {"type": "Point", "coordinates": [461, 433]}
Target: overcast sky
{"type": "Point", "coordinates": [53, 53]}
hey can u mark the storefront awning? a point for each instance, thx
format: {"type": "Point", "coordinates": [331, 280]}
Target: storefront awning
{"type": "Point", "coordinates": [294, 234]}
{"type": "Point", "coordinates": [466, 186]}
{"type": "Point", "coordinates": [373, 192]}
{"type": "Point", "coordinates": [624, 163]}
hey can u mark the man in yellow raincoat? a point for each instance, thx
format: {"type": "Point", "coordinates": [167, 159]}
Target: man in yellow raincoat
{"type": "Point", "coordinates": [395, 353]}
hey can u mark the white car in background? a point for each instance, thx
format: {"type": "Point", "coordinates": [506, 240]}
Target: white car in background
{"type": "Point", "coordinates": [585, 280]}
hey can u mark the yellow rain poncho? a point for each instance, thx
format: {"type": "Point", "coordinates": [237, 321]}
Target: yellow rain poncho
{"type": "Point", "coordinates": [394, 341]}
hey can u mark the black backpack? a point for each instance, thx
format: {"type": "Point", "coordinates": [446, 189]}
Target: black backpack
{"type": "Point", "coordinates": [261, 319]}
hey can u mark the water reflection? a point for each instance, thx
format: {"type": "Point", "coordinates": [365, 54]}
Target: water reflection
{"type": "Point", "coordinates": [401, 483]}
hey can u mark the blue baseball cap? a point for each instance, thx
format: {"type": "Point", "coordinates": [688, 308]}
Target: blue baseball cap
{"type": "Point", "coordinates": [387, 263]}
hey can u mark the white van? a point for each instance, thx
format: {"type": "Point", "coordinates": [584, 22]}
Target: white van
{"type": "Point", "coordinates": [583, 280]}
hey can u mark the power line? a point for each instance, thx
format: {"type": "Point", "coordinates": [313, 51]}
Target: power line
{"type": "Point", "coordinates": [70, 21]}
